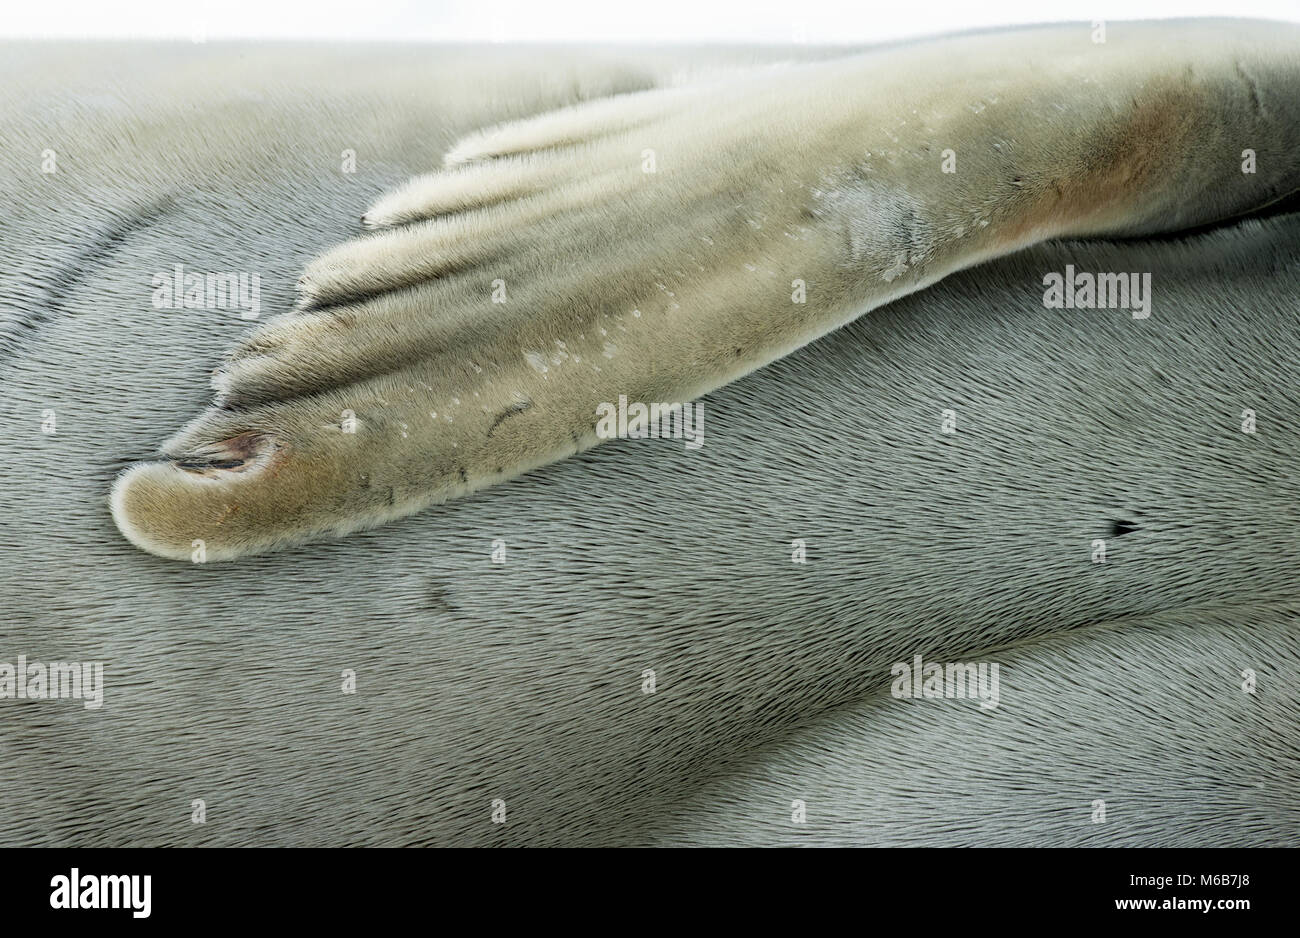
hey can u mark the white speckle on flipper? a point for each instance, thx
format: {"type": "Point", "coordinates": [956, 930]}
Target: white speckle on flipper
{"type": "Point", "coordinates": [538, 361]}
{"type": "Point", "coordinates": [610, 350]}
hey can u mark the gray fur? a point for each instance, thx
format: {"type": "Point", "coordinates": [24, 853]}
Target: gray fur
{"type": "Point", "coordinates": [1067, 734]}
{"type": "Point", "coordinates": [522, 681]}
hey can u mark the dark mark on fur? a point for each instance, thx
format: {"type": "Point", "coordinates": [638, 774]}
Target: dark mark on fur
{"type": "Point", "coordinates": [233, 453]}
{"type": "Point", "coordinates": [201, 464]}
{"type": "Point", "coordinates": [438, 599]}
{"type": "Point", "coordinates": [1256, 105]}
{"type": "Point", "coordinates": [516, 408]}
{"type": "Point", "coordinates": [69, 275]}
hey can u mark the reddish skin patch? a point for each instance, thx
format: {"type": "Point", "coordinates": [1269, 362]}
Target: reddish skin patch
{"type": "Point", "coordinates": [237, 454]}
{"type": "Point", "coordinates": [1127, 170]}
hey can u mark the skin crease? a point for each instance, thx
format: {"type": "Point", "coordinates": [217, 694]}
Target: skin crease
{"type": "Point", "coordinates": [522, 681]}
{"type": "Point", "coordinates": [469, 342]}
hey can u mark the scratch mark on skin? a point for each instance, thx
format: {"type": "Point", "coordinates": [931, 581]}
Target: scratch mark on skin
{"type": "Point", "coordinates": [516, 408]}
{"type": "Point", "coordinates": [1257, 106]}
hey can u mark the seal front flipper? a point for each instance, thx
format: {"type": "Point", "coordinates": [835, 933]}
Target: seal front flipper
{"type": "Point", "coordinates": [713, 231]}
